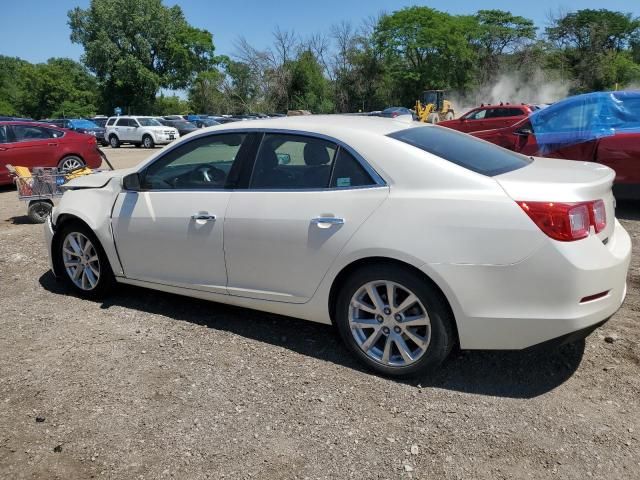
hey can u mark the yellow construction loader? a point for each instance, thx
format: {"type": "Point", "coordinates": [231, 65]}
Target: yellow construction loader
{"type": "Point", "coordinates": [433, 107]}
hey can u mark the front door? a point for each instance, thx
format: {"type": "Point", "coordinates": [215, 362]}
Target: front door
{"type": "Point", "coordinates": [33, 146]}
{"type": "Point", "coordinates": [283, 233]}
{"type": "Point", "coordinates": [171, 231]}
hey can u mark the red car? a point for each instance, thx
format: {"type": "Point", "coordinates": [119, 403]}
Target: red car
{"type": "Point", "coordinates": [601, 127]}
{"type": "Point", "coordinates": [32, 144]}
{"type": "Point", "coordinates": [487, 117]}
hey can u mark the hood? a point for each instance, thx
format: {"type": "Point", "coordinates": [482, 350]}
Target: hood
{"type": "Point", "coordinates": [96, 180]}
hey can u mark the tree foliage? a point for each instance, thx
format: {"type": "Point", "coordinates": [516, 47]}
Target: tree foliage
{"type": "Point", "coordinates": [137, 47]}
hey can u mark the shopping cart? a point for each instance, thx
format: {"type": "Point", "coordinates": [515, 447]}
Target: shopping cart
{"type": "Point", "coordinates": [40, 185]}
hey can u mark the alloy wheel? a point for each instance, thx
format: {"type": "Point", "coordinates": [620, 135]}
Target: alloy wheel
{"type": "Point", "coordinates": [81, 261]}
{"type": "Point", "coordinates": [389, 323]}
{"type": "Point", "coordinates": [71, 163]}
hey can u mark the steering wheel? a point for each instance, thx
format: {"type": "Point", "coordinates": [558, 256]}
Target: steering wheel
{"type": "Point", "coordinates": [209, 174]}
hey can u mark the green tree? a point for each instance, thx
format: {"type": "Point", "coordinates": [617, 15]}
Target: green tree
{"type": "Point", "coordinates": [59, 88]}
{"type": "Point", "coordinates": [425, 48]}
{"type": "Point", "coordinates": [137, 47]}
{"type": "Point", "coordinates": [497, 33]}
{"type": "Point", "coordinates": [206, 93]}
{"type": "Point", "coordinates": [309, 89]}
{"type": "Point", "coordinates": [596, 46]}
{"type": "Point", "coordinates": [170, 105]}
{"type": "Point", "coordinates": [10, 74]}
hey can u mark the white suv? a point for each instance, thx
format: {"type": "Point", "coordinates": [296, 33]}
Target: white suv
{"type": "Point", "coordinates": [139, 131]}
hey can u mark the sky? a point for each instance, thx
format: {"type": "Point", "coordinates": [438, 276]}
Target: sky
{"type": "Point", "coordinates": [36, 30]}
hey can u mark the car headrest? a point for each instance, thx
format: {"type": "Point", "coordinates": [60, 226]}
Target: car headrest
{"type": "Point", "coordinates": [316, 154]}
{"type": "Point", "coordinates": [268, 158]}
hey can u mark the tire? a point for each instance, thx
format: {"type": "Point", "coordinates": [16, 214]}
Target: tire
{"type": "Point", "coordinates": [147, 141]}
{"type": "Point", "coordinates": [99, 279]}
{"type": "Point", "coordinates": [114, 141]}
{"type": "Point", "coordinates": [39, 210]}
{"type": "Point", "coordinates": [70, 163]}
{"type": "Point", "coordinates": [385, 332]}
{"type": "Point", "coordinates": [433, 118]}
{"type": "Point", "coordinates": [450, 115]}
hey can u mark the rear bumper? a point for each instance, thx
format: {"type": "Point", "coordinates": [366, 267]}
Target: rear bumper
{"type": "Point", "coordinates": [538, 299]}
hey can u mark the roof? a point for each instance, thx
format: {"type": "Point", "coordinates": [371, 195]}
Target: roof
{"type": "Point", "coordinates": [333, 125]}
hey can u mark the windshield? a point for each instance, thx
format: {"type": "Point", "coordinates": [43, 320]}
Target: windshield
{"type": "Point", "coordinates": [83, 124]}
{"type": "Point", "coordinates": [149, 122]}
{"type": "Point", "coordinates": [430, 97]}
{"type": "Point", "coordinates": [462, 149]}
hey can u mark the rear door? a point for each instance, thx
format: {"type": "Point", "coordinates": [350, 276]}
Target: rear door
{"type": "Point", "coordinates": [5, 153]}
{"type": "Point", "coordinates": [123, 129]}
{"type": "Point", "coordinates": [34, 146]}
{"type": "Point", "coordinates": [306, 197]}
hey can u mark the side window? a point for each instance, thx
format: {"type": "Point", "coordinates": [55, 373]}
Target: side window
{"type": "Point", "coordinates": [54, 133]}
{"type": "Point", "coordinates": [494, 113]}
{"type": "Point", "coordinates": [110, 122]}
{"type": "Point", "coordinates": [122, 122]}
{"type": "Point", "coordinates": [348, 172]}
{"type": "Point", "coordinates": [3, 134]}
{"type": "Point", "coordinates": [27, 133]}
{"type": "Point", "coordinates": [477, 115]}
{"type": "Point", "coordinates": [293, 161]}
{"type": "Point", "coordinates": [515, 112]}
{"type": "Point", "coordinates": [201, 164]}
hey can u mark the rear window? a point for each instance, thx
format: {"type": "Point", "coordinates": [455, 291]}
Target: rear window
{"type": "Point", "coordinates": [462, 149]}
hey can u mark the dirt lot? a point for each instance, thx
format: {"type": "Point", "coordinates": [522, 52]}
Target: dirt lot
{"type": "Point", "coordinates": [150, 385]}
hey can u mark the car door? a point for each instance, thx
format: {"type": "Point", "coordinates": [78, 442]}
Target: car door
{"type": "Point", "coordinates": [306, 197]}
{"type": "Point", "coordinates": [5, 154]}
{"type": "Point", "coordinates": [622, 153]}
{"type": "Point", "coordinates": [171, 230]}
{"type": "Point", "coordinates": [123, 129]}
{"type": "Point", "coordinates": [34, 146]}
{"type": "Point", "coordinates": [473, 121]}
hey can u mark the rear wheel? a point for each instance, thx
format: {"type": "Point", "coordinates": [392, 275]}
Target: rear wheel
{"type": "Point", "coordinates": [83, 262]}
{"type": "Point", "coordinates": [114, 141]}
{"type": "Point", "coordinates": [70, 163]}
{"type": "Point", "coordinates": [394, 321]}
{"type": "Point", "coordinates": [433, 118]}
{"type": "Point", "coordinates": [450, 115]}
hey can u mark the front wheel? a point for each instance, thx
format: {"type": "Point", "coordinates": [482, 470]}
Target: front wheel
{"type": "Point", "coordinates": [394, 321]}
{"type": "Point", "coordinates": [147, 141]}
{"type": "Point", "coordinates": [83, 262]}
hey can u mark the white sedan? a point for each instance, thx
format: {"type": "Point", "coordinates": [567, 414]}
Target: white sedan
{"type": "Point", "coordinates": [410, 238]}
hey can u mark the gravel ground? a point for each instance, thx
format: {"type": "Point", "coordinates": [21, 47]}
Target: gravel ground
{"type": "Point", "coordinates": [152, 385]}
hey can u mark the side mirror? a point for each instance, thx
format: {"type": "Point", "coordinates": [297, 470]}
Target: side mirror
{"type": "Point", "coordinates": [524, 131]}
{"type": "Point", "coordinates": [131, 182]}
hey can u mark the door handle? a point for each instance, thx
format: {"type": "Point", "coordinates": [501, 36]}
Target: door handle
{"type": "Point", "coordinates": [328, 221]}
{"type": "Point", "coordinates": [202, 216]}
{"type": "Point", "coordinates": [52, 144]}
{"type": "Point", "coordinates": [2, 149]}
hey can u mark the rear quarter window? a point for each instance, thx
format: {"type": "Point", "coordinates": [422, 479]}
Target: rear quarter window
{"type": "Point", "coordinates": [462, 149]}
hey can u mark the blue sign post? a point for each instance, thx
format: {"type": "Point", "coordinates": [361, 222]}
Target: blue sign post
{"type": "Point", "coordinates": [117, 111]}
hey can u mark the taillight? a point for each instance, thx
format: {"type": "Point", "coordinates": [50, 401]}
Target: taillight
{"type": "Point", "coordinates": [567, 221]}
{"type": "Point", "coordinates": [92, 141]}
{"type": "Point", "coordinates": [598, 215]}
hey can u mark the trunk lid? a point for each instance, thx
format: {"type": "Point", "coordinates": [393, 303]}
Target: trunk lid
{"type": "Point", "coordinates": [562, 181]}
